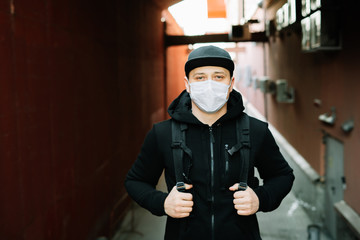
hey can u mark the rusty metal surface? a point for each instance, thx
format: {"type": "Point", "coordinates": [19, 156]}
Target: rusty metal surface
{"type": "Point", "coordinates": [70, 126]}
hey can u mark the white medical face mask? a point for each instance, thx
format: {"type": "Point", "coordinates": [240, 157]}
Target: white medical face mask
{"type": "Point", "coordinates": [209, 95]}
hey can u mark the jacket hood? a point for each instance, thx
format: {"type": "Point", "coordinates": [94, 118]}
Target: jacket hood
{"type": "Point", "coordinates": [180, 108]}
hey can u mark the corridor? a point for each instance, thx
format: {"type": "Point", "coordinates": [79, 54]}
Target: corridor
{"type": "Point", "coordinates": [83, 82]}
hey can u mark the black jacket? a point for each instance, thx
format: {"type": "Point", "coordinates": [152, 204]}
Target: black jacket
{"type": "Point", "coordinates": [156, 155]}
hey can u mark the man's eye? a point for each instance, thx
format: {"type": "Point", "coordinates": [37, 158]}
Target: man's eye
{"type": "Point", "coordinates": [200, 78]}
{"type": "Point", "coordinates": [219, 77]}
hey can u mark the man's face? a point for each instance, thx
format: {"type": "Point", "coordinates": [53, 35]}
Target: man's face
{"type": "Point", "coordinates": [218, 74]}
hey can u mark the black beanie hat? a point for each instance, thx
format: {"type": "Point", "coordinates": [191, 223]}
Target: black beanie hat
{"type": "Point", "coordinates": [209, 56]}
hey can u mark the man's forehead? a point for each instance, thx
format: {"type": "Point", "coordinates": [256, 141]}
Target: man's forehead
{"type": "Point", "coordinates": [209, 69]}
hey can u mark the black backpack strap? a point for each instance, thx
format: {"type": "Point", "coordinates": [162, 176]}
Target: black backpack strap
{"type": "Point", "coordinates": [243, 137]}
{"type": "Point", "coordinates": [178, 148]}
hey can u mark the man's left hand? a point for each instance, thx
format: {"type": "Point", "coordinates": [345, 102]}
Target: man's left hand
{"type": "Point", "coordinates": [245, 202]}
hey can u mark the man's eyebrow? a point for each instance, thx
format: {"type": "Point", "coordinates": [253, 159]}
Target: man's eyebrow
{"type": "Point", "coordinates": [216, 72]}
{"type": "Point", "coordinates": [200, 73]}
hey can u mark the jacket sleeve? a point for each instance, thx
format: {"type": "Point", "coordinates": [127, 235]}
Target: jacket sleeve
{"type": "Point", "coordinates": [144, 175]}
{"type": "Point", "coordinates": [275, 171]}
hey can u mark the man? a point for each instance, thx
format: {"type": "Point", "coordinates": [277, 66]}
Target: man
{"type": "Point", "coordinates": [212, 207]}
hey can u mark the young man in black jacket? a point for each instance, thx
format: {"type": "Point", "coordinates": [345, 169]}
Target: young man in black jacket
{"type": "Point", "coordinates": [213, 206]}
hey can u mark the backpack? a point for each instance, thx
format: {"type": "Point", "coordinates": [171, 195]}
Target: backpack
{"type": "Point", "coordinates": [179, 147]}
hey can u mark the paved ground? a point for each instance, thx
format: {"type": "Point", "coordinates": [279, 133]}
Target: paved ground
{"type": "Point", "coordinates": [288, 222]}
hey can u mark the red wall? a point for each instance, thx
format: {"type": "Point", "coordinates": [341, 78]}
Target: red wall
{"type": "Point", "coordinates": [176, 57]}
{"type": "Point", "coordinates": [81, 84]}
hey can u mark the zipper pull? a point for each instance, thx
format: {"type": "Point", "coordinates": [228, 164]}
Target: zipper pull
{"type": "Point", "coordinates": [226, 168]}
{"type": "Point", "coordinates": [212, 139]}
{"type": "Point", "coordinates": [226, 158]}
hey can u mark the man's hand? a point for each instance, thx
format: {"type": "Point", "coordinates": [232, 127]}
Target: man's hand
{"type": "Point", "coordinates": [178, 204]}
{"type": "Point", "coordinates": [245, 202]}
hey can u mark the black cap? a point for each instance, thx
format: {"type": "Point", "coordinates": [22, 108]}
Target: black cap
{"type": "Point", "coordinates": [209, 56]}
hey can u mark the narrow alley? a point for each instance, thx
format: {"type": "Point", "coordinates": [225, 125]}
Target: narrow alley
{"type": "Point", "coordinates": [82, 83]}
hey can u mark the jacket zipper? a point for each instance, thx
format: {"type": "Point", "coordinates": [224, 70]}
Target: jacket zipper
{"type": "Point", "coordinates": [226, 165]}
{"type": "Point", "coordinates": [212, 141]}
{"type": "Point", "coordinates": [226, 159]}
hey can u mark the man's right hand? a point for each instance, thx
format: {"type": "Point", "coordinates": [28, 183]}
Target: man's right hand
{"type": "Point", "coordinates": [178, 204]}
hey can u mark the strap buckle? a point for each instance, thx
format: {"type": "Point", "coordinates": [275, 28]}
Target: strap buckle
{"type": "Point", "coordinates": [176, 145]}
{"type": "Point", "coordinates": [180, 186]}
{"type": "Point", "coordinates": [245, 144]}
{"type": "Point", "coordinates": [242, 186]}
{"type": "Point", "coordinates": [245, 131]}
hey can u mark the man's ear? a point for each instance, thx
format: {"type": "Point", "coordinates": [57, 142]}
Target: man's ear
{"type": "Point", "coordinates": [186, 82]}
{"type": "Point", "coordinates": [232, 83]}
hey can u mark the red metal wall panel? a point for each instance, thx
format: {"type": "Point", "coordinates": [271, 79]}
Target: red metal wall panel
{"type": "Point", "coordinates": [176, 57]}
{"type": "Point", "coordinates": [81, 84]}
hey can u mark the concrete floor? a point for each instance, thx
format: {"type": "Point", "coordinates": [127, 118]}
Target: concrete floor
{"type": "Point", "coordinates": [288, 222]}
